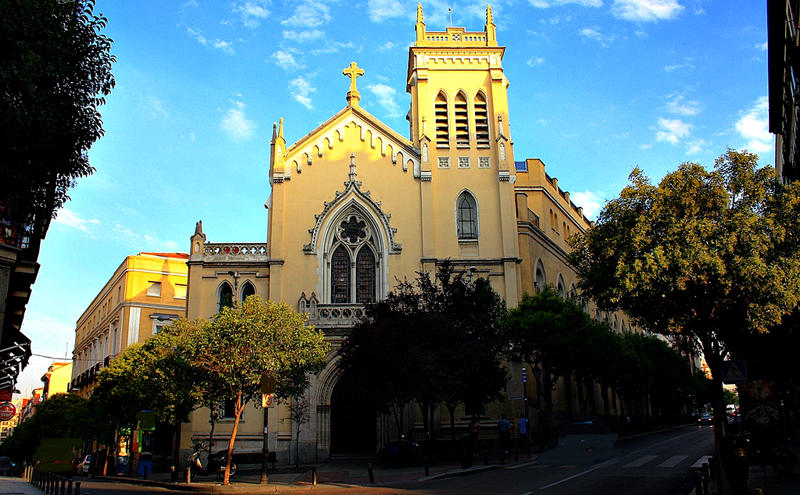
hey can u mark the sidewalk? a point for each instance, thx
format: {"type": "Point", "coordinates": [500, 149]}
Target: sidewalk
{"type": "Point", "coordinates": [347, 473]}
{"type": "Point", "coordinates": [9, 485]}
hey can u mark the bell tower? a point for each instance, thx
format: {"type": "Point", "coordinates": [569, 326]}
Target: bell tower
{"type": "Point", "coordinates": [459, 103]}
{"type": "Point", "coordinates": [459, 121]}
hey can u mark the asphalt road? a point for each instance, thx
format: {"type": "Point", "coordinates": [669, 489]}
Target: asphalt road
{"type": "Point", "coordinates": [659, 464]}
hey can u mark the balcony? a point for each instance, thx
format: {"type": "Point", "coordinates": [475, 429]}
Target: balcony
{"type": "Point", "coordinates": [236, 252]}
{"type": "Point", "coordinates": [329, 316]}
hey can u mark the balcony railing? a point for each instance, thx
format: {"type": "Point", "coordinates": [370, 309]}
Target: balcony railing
{"type": "Point", "coordinates": [329, 315]}
{"type": "Point", "coordinates": [235, 251]}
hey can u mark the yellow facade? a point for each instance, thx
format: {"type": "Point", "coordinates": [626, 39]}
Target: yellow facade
{"type": "Point", "coordinates": [147, 291]}
{"type": "Point", "coordinates": [57, 380]}
{"type": "Point", "coordinates": [355, 206]}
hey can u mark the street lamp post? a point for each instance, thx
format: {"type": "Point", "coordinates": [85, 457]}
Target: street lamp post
{"type": "Point", "coordinates": [537, 374]}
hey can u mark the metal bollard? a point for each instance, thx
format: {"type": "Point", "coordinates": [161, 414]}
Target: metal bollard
{"type": "Point", "coordinates": [516, 454]}
{"type": "Point", "coordinates": [314, 476]}
{"type": "Point", "coordinates": [77, 488]}
{"type": "Point", "coordinates": [706, 470]}
{"type": "Point", "coordinates": [698, 482]}
{"type": "Point", "coordinates": [69, 488]}
{"type": "Point", "coordinates": [427, 466]}
{"type": "Point", "coordinates": [173, 474]}
{"type": "Point", "coordinates": [502, 457]}
{"type": "Point", "coordinates": [706, 486]}
{"type": "Point", "coordinates": [145, 472]}
{"type": "Point", "coordinates": [371, 475]}
{"type": "Point", "coordinates": [188, 475]}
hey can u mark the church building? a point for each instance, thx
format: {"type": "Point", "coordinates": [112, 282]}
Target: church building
{"type": "Point", "coordinates": [355, 205]}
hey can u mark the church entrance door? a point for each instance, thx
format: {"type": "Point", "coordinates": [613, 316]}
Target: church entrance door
{"type": "Point", "coordinates": [353, 423]}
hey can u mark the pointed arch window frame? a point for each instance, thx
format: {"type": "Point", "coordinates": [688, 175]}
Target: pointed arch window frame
{"type": "Point", "coordinates": [467, 217]}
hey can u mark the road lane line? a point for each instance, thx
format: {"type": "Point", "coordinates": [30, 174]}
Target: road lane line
{"type": "Point", "coordinates": [700, 462]}
{"type": "Point", "coordinates": [641, 461]}
{"type": "Point", "coordinates": [672, 461]}
{"type": "Point", "coordinates": [567, 479]}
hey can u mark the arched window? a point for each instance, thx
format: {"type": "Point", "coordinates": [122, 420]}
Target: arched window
{"type": "Point", "coordinates": [354, 263]}
{"type": "Point", "coordinates": [340, 276]}
{"type": "Point", "coordinates": [225, 299]}
{"type": "Point", "coordinates": [365, 276]}
{"type": "Point", "coordinates": [540, 278]}
{"type": "Point", "coordinates": [442, 126]}
{"type": "Point", "coordinates": [562, 292]}
{"type": "Point", "coordinates": [462, 121]}
{"type": "Point", "coordinates": [481, 121]}
{"type": "Point", "coordinates": [248, 290]}
{"type": "Point", "coordinates": [467, 217]}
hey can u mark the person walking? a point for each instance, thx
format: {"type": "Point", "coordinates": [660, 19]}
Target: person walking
{"type": "Point", "coordinates": [474, 434]}
{"type": "Point", "coordinates": [504, 429]}
{"type": "Point", "coordinates": [522, 427]}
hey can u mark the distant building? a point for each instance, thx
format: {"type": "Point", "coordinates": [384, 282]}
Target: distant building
{"type": "Point", "coordinates": [146, 292]}
{"type": "Point", "coordinates": [57, 380]}
{"type": "Point", "coordinates": [33, 401]}
{"type": "Point", "coordinates": [784, 84]}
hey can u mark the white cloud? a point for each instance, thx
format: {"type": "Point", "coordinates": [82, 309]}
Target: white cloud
{"type": "Point", "coordinates": [761, 47]}
{"type": "Point", "coordinates": [595, 35]}
{"type": "Point", "coordinates": [252, 13]}
{"type": "Point", "coordinates": [592, 202]}
{"type": "Point", "coordinates": [386, 46]}
{"type": "Point", "coordinates": [225, 46]}
{"type": "Point", "coordinates": [672, 131]}
{"type": "Point", "coordinates": [754, 127]}
{"type": "Point", "coordinates": [534, 61]}
{"type": "Point", "coordinates": [543, 4]}
{"type": "Point", "coordinates": [156, 109]}
{"type": "Point", "coordinates": [695, 146]}
{"type": "Point", "coordinates": [386, 95]}
{"type": "Point", "coordinates": [380, 10]}
{"type": "Point", "coordinates": [679, 106]}
{"type": "Point", "coordinates": [303, 36]}
{"type": "Point", "coordinates": [687, 64]}
{"type": "Point", "coordinates": [236, 124]}
{"type": "Point", "coordinates": [309, 14]}
{"type": "Point", "coordinates": [286, 60]}
{"type": "Point", "coordinates": [646, 10]}
{"type": "Point", "coordinates": [69, 218]}
{"type": "Point", "coordinates": [332, 47]}
{"type": "Point", "coordinates": [300, 89]}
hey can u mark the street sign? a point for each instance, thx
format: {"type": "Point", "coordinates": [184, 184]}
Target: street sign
{"type": "Point", "coordinates": [524, 375]}
{"type": "Point", "coordinates": [7, 411]}
{"type": "Point", "coordinates": [268, 400]}
{"type": "Point", "coordinates": [267, 384]}
{"type": "Point", "coordinates": [734, 372]}
{"type": "Point", "coordinates": [6, 394]}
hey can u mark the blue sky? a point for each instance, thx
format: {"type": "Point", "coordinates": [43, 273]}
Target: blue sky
{"type": "Point", "coordinates": [597, 88]}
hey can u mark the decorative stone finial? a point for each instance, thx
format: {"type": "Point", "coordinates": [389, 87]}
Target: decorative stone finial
{"type": "Point", "coordinates": [353, 96]}
{"type": "Point", "coordinates": [198, 228]}
{"type": "Point", "coordinates": [352, 174]}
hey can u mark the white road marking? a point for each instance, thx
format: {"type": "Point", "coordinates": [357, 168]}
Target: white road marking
{"type": "Point", "coordinates": [641, 461]}
{"type": "Point", "coordinates": [700, 461]}
{"type": "Point", "coordinates": [567, 479]}
{"type": "Point", "coordinates": [672, 461]}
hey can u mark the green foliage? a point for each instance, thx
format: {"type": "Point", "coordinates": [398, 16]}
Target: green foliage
{"type": "Point", "coordinates": [710, 256]}
{"type": "Point", "coordinates": [154, 375]}
{"type": "Point", "coordinates": [431, 340]}
{"type": "Point", "coordinates": [55, 71]}
{"type": "Point", "coordinates": [60, 416]}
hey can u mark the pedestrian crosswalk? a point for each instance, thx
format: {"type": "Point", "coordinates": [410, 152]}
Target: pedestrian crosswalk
{"type": "Point", "coordinates": [643, 461]}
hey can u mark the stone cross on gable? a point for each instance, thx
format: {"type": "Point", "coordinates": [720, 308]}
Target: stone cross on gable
{"type": "Point", "coordinates": [353, 72]}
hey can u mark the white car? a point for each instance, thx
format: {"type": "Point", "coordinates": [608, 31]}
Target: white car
{"type": "Point", "coordinates": [83, 469]}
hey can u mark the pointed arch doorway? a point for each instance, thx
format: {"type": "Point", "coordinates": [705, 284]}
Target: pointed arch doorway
{"type": "Point", "coordinates": [353, 422]}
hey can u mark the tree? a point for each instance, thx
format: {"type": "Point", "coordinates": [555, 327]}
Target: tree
{"type": "Point", "coordinates": [154, 375]}
{"type": "Point", "coordinates": [710, 256]}
{"type": "Point", "coordinates": [441, 337]}
{"type": "Point", "coordinates": [556, 335]}
{"type": "Point", "coordinates": [55, 71]}
{"type": "Point", "coordinates": [60, 416]}
{"type": "Point", "coordinates": [244, 342]}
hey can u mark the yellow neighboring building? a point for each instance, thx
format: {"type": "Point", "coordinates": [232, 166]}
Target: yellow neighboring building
{"type": "Point", "coordinates": [146, 292]}
{"type": "Point", "coordinates": [355, 206]}
{"type": "Point", "coordinates": [57, 380]}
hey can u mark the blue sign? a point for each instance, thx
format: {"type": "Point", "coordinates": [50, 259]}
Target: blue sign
{"type": "Point", "coordinates": [734, 372]}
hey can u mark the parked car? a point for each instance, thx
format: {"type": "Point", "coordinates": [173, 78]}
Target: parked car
{"type": "Point", "coordinates": [705, 418]}
{"type": "Point", "coordinates": [84, 467]}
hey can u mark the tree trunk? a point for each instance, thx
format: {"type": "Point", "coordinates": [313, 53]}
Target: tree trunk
{"type": "Point", "coordinates": [398, 413]}
{"type": "Point", "coordinates": [239, 409]}
{"type": "Point", "coordinates": [451, 408]}
{"type": "Point", "coordinates": [176, 448]}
